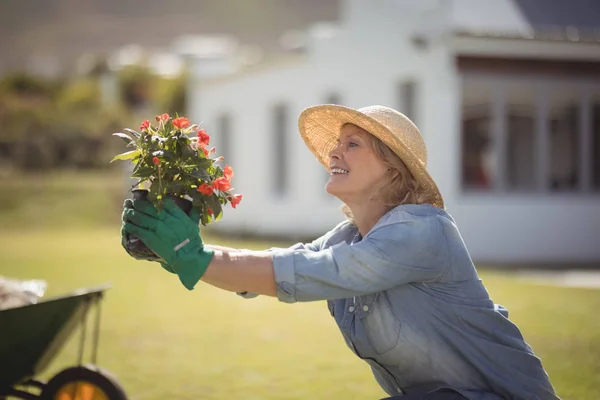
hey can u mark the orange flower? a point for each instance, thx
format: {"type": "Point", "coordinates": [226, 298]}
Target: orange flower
{"type": "Point", "coordinates": [222, 184]}
{"type": "Point", "coordinates": [145, 125]}
{"type": "Point", "coordinates": [203, 137]}
{"type": "Point", "coordinates": [236, 200]}
{"type": "Point", "coordinates": [205, 189]}
{"type": "Point", "coordinates": [163, 117]}
{"type": "Point", "coordinates": [228, 172]}
{"type": "Point", "coordinates": [156, 161]}
{"type": "Point", "coordinates": [181, 122]}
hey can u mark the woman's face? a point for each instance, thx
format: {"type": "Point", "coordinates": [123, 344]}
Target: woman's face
{"type": "Point", "coordinates": [354, 167]}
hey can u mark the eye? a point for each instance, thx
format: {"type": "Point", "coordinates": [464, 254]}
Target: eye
{"type": "Point", "coordinates": [352, 144]}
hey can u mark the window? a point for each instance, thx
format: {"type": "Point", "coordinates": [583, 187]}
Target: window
{"type": "Point", "coordinates": [563, 124]}
{"type": "Point", "coordinates": [280, 167]}
{"type": "Point", "coordinates": [595, 113]}
{"type": "Point", "coordinates": [224, 138]}
{"type": "Point", "coordinates": [477, 159]}
{"type": "Point", "coordinates": [407, 99]}
{"type": "Point", "coordinates": [520, 149]}
{"type": "Point", "coordinates": [529, 135]}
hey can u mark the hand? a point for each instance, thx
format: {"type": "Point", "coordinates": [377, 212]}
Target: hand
{"type": "Point", "coordinates": [147, 254]}
{"type": "Point", "coordinates": [125, 237]}
{"type": "Point", "coordinates": [146, 207]}
{"type": "Point", "coordinates": [171, 234]}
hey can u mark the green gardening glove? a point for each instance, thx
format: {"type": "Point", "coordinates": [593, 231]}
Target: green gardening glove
{"type": "Point", "coordinates": [146, 207]}
{"type": "Point", "coordinates": [125, 238]}
{"type": "Point", "coordinates": [174, 236]}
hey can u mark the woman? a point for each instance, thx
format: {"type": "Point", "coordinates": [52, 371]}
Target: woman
{"type": "Point", "coordinates": [396, 274]}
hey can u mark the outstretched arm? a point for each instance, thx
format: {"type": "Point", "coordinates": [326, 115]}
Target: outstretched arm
{"type": "Point", "coordinates": [404, 251]}
{"type": "Point", "coordinates": [222, 248]}
{"type": "Point", "coordinates": [241, 271]}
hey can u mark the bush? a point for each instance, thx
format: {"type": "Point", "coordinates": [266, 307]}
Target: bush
{"type": "Point", "coordinates": [55, 124]}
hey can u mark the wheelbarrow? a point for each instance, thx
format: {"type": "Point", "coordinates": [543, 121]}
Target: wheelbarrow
{"type": "Point", "coordinates": [32, 335]}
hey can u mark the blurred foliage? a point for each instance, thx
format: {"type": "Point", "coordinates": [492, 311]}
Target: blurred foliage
{"type": "Point", "coordinates": [171, 96]}
{"type": "Point", "coordinates": [65, 124]}
{"type": "Point", "coordinates": [29, 86]}
{"type": "Point", "coordinates": [135, 83]}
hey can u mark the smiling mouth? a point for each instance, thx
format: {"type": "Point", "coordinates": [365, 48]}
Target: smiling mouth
{"type": "Point", "coordinates": [338, 171]}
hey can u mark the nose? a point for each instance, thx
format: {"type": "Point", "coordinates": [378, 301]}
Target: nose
{"type": "Point", "coordinates": [335, 152]}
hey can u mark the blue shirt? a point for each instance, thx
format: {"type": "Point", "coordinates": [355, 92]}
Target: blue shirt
{"type": "Point", "coordinates": [408, 301]}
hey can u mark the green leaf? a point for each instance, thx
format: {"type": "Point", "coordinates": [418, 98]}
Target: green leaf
{"type": "Point", "coordinates": [200, 174]}
{"type": "Point", "coordinates": [127, 156]}
{"type": "Point", "coordinates": [168, 155]}
{"type": "Point", "coordinates": [200, 163]}
{"type": "Point", "coordinates": [176, 187]}
{"type": "Point", "coordinates": [126, 138]}
{"type": "Point", "coordinates": [204, 217]}
{"type": "Point", "coordinates": [215, 205]}
{"type": "Point", "coordinates": [134, 133]}
{"type": "Point", "coordinates": [198, 199]}
{"type": "Point", "coordinates": [143, 171]}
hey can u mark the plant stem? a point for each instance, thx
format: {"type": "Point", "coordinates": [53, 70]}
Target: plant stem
{"type": "Point", "coordinates": [160, 182]}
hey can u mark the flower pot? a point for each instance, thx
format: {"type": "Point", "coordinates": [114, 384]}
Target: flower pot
{"type": "Point", "coordinates": [138, 247]}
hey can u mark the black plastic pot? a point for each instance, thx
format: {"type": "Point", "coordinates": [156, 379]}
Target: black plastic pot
{"type": "Point", "coordinates": [135, 245]}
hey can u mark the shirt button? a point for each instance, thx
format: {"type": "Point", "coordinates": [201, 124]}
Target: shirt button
{"type": "Point", "coordinates": [351, 309]}
{"type": "Point", "coordinates": [365, 308]}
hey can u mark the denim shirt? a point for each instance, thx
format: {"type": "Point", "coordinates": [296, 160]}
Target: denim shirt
{"type": "Point", "coordinates": [408, 301]}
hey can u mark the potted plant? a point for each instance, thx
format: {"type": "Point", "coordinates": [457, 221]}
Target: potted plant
{"type": "Point", "coordinates": [172, 159]}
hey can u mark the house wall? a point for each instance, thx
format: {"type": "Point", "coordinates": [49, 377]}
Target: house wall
{"type": "Point", "coordinates": [537, 224]}
{"type": "Point", "coordinates": [364, 64]}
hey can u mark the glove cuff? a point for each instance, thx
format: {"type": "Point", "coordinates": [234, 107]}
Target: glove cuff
{"type": "Point", "coordinates": [190, 271]}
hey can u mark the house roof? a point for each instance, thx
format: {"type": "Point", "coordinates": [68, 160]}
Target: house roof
{"type": "Point", "coordinates": [556, 20]}
{"type": "Point", "coordinates": [541, 20]}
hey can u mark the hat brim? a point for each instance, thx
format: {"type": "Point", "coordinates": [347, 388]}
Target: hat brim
{"type": "Point", "coordinates": [320, 127]}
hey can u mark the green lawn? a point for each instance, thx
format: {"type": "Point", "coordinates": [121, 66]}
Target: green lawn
{"type": "Point", "coordinates": [163, 342]}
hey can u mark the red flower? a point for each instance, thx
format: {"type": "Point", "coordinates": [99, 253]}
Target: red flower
{"type": "Point", "coordinates": [228, 172]}
{"type": "Point", "coordinates": [181, 122]}
{"type": "Point", "coordinates": [205, 151]}
{"type": "Point", "coordinates": [209, 211]}
{"type": "Point", "coordinates": [205, 189]}
{"type": "Point", "coordinates": [236, 200]}
{"type": "Point", "coordinates": [156, 160]}
{"type": "Point", "coordinates": [222, 184]}
{"type": "Point", "coordinates": [145, 125]}
{"type": "Point", "coordinates": [163, 117]}
{"type": "Point", "coordinates": [203, 137]}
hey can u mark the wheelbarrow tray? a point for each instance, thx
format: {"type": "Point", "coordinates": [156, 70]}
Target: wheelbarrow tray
{"type": "Point", "coordinates": [32, 335]}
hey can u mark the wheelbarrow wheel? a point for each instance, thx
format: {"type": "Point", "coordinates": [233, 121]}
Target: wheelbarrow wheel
{"type": "Point", "coordinates": [83, 383]}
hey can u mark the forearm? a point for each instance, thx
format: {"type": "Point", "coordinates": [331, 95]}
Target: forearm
{"type": "Point", "coordinates": [221, 248]}
{"type": "Point", "coordinates": [240, 271]}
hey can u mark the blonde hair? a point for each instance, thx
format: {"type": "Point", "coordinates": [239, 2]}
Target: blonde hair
{"type": "Point", "coordinates": [399, 186]}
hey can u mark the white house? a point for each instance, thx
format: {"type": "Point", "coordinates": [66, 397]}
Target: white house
{"type": "Point", "coordinates": [509, 107]}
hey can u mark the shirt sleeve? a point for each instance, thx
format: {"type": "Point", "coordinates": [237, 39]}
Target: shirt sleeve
{"type": "Point", "coordinates": [390, 255]}
{"type": "Point", "coordinates": [315, 245]}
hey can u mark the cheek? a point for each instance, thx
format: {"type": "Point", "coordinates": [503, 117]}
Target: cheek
{"type": "Point", "coordinates": [377, 171]}
{"type": "Point", "coordinates": [369, 177]}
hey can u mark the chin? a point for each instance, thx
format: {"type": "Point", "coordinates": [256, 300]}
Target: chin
{"type": "Point", "coordinates": [333, 190]}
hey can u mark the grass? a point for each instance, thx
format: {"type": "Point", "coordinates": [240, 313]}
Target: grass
{"type": "Point", "coordinates": [162, 341]}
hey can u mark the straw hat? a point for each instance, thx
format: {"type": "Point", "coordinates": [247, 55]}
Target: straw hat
{"type": "Point", "coordinates": [320, 128]}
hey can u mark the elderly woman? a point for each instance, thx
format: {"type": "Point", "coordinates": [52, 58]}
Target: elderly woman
{"type": "Point", "coordinates": [396, 274]}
